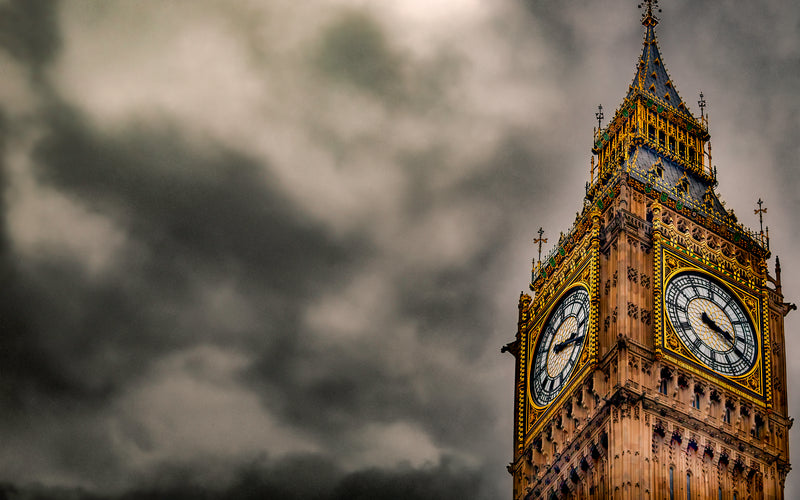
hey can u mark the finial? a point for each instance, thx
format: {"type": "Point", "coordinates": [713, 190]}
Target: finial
{"type": "Point", "coordinates": [760, 212]}
{"type": "Point", "coordinates": [767, 238]}
{"type": "Point", "coordinates": [599, 115]}
{"type": "Point", "coordinates": [648, 18]}
{"type": "Point", "coordinates": [540, 240]}
{"type": "Point", "coordinates": [702, 104]}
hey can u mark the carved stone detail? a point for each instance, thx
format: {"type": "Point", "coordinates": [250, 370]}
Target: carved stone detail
{"type": "Point", "coordinates": [633, 274]}
{"type": "Point", "coordinates": [633, 310]}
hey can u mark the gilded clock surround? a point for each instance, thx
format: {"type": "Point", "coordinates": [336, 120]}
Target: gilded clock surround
{"type": "Point", "coordinates": [672, 257]}
{"type": "Point", "coordinates": [579, 278]}
{"type": "Point", "coordinates": [751, 385]}
{"type": "Point", "coordinates": [578, 265]}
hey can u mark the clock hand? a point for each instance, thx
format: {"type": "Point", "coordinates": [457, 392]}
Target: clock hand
{"type": "Point", "coordinates": [714, 327]}
{"type": "Point", "coordinates": [560, 347]}
{"type": "Point", "coordinates": [710, 322]}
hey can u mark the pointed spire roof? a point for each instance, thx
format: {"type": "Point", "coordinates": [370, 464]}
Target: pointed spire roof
{"type": "Point", "coordinates": [651, 74]}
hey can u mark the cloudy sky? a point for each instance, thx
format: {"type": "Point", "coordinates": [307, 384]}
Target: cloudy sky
{"type": "Point", "coordinates": [273, 247]}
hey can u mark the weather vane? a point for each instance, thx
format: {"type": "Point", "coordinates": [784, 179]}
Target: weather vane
{"type": "Point", "coordinates": [702, 104]}
{"type": "Point", "coordinates": [599, 115]}
{"type": "Point", "coordinates": [760, 211]}
{"type": "Point", "coordinates": [540, 240]}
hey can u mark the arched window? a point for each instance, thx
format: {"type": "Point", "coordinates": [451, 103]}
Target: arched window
{"type": "Point", "coordinates": [688, 486]}
{"type": "Point", "coordinates": [671, 483]}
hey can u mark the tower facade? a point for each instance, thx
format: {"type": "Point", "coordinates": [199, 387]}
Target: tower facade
{"type": "Point", "coordinates": [650, 355]}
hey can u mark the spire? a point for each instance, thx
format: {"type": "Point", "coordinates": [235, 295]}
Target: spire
{"type": "Point", "coordinates": [651, 75]}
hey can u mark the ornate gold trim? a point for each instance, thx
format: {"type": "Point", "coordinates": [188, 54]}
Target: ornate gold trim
{"type": "Point", "coordinates": [658, 314]}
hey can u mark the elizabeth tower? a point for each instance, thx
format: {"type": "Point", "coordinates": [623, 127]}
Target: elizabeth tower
{"type": "Point", "coordinates": [650, 356]}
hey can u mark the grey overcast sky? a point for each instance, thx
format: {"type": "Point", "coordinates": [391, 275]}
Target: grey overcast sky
{"type": "Point", "coordinates": [271, 249]}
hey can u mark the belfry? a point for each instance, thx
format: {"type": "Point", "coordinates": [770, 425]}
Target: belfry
{"type": "Point", "coordinates": [650, 353]}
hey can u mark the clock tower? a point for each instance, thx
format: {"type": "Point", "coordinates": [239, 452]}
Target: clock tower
{"type": "Point", "coordinates": [650, 355]}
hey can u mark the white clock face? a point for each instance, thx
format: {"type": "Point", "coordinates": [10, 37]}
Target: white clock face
{"type": "Point", "coordinates": [711, 323]}
{"type": "Point", "coordinates": [559, 347]}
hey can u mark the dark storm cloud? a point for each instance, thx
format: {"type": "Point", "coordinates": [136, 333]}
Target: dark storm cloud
{"type": "Point", "coordinates": [197, 218]}
{"type": "Point", "coordinates": [29, 31]}
{"type": "Point", "coordinates": [294, 478]}
{"type": "Point", "coordinates": [218, 213]}
{"type": "Point", "coordinates": [72, 339]}
{"type": "Point", "coordinates": [355, 50]}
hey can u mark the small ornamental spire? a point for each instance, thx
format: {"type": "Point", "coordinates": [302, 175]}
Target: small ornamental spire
{"type": "Point", "coordinates": [760, 211]}
{"type": "Point", "coordinates": [540, 240]}
{"type": "Point", "coordinates": [702, 104]}
{"type": "Point", "coordinates": [648, 18]}
{"type": "Point", "coordinates": [599, 115]}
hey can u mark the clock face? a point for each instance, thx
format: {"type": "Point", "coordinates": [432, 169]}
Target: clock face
{"type": "Point", "coordinates": [559, 347]}
{"type": "Point", "coordinates": [711, 323]}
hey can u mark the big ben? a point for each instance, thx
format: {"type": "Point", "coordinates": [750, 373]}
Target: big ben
{"type": "Point", "coordinates": [650, 352]}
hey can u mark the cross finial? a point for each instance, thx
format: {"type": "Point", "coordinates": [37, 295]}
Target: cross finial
{"type": "Point", "coordinates": [702, 104]}
{"type": "Point", "coordinates": [540, 240]}
{"type": "Point", "coordinates": [648, 18]}
{"type": "Point", "coordinates": [761, 211]}
{"type": "Point", "coordinates": [599, 115]}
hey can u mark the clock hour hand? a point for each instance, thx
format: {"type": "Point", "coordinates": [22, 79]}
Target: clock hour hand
{"type": "Point", "coordinates": [714, 327]}
{"type": "Point", "coordinates": [561, 346]}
